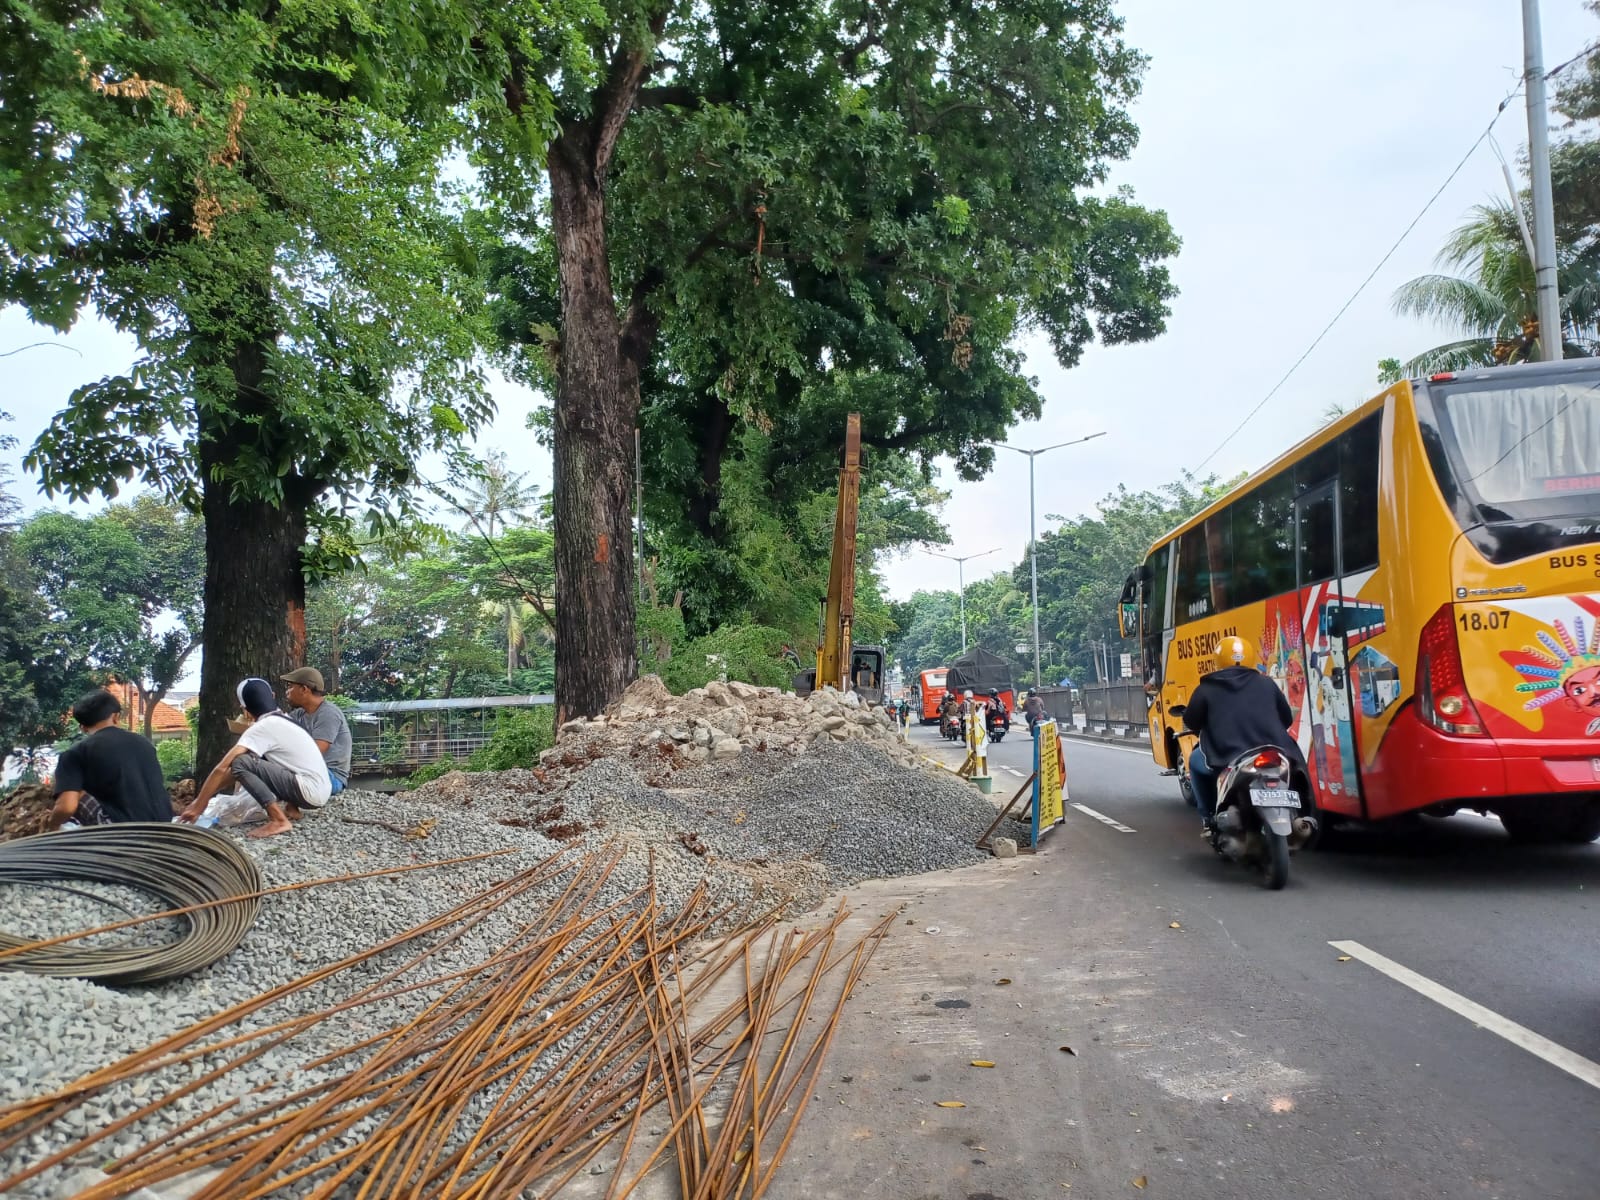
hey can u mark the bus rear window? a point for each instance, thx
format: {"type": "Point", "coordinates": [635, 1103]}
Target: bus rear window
{"type": "Point", "coordinates": [1514, 450]}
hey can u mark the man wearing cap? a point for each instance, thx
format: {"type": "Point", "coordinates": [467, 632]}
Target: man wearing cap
{"type": "Point", "coordinates": [323, 721]}
{"type": "Point", "coordinates": [110, 774]}
{"type": "Point", "coordinates": [274, 760]}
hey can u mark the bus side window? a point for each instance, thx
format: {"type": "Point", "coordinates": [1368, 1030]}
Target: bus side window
{"type": "Point", "coordinates": [1263, 542]}
{"type": "Point", "coordinates": [1193, 597]}
{"type": "Point", "coordinates": [1358, 494]}
{"type": "Point", "coordinates": [1155, 611]}
{"type": "Point", "coordinates": [1219, 559]}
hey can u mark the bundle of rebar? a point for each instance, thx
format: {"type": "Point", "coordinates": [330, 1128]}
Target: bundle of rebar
{"type": "Point", "coordinates": [512, 1073]}
{"type": "Point", "coordinates": [214, 883]}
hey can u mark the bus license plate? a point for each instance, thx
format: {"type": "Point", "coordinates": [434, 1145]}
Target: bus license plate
{"type": "Point", "coordinates": [1274, 798]}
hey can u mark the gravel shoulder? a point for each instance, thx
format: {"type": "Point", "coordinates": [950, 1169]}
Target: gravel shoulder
{"type": "Point", "coordinates": [795, 813]}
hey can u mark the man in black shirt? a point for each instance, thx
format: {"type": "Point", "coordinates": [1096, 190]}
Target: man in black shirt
{"type": "Point", "coordinates": [1235, 708]}
{"type": "Point", "coordinates": [110, 774]}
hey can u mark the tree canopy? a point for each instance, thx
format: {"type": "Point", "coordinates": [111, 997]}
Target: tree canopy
{"type": "Point", "coordinates": [243, 190]}
{"type": "Point", "coordinates": [122, 588]}
{"type": "Point", "coordinates": [1082, 565]}
{"type": "Point", "coordinates": [762, 220]}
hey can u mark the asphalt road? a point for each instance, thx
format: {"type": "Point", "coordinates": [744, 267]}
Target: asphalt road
{"type": "Point", "coordinates": [1221, 1048]}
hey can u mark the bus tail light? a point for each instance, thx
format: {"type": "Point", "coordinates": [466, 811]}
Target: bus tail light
{"type": "Point", "coordinates": [1441, 683]}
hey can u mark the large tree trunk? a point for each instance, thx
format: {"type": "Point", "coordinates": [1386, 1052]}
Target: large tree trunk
{"type": "Point", "coordinates": [255, 607]}
{"type": "Point", "coordinates": [255, 589]}
{"type": "Point", "coordinates": [597, 405]}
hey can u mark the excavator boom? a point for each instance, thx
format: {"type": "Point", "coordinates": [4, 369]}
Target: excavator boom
{"type": "Point", "coordinates": [840, 664]}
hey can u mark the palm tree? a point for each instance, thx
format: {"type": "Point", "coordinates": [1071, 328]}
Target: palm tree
{"type": "Point", "coordinates": [497, 496]}
{"type": "Point", "coordinates": [1491, 297]}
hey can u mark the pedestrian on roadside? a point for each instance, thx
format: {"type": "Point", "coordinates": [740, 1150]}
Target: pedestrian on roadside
{"type": "Point", "coordinates": [110, 775]}
{"type": "Point", "coordinates": [325, 722]}
{"type": "Point", "coordinates": [275, 760]}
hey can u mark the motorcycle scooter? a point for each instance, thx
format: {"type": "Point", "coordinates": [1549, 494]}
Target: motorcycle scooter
{"type": "Point", "coordinates": [1264, 812]}
{"type": "Point", "coordinates": [997, 722]}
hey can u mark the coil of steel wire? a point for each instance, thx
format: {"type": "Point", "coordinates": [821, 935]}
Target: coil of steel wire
{"type": "Point", "coordinates": [179, 864]}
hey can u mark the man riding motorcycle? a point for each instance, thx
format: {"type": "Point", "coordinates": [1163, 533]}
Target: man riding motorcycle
{"type": "Point", "coordinates": [998, 717]}
{"type": "Point", "coordinates": [949, 712]}
{"type": "Point", "coordinates": [1033, 710]}
{"type": "Point", "coordinates": [1235, 708]}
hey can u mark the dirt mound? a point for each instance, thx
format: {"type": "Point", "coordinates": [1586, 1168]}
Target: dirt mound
{"type": "Point", "coordinates": [26, 811]}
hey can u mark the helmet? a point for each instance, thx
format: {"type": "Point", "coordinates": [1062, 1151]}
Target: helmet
{"type": "Point", "coordinates": [967, 695]}
{"type": "Point", "coordinates": [1235, 651]}
{"type": "Point", "coordinates": [995, 693]}
{"type": "Point", "coordinates": [1032, 693]}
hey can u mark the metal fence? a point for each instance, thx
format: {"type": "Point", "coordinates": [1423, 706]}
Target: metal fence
{"type": "Point", "coordinates": [1057, 704]}
{"type": "Point", "coordinates": [397, 736]}
{"type": "Point", "coordinates": [1107, 705]}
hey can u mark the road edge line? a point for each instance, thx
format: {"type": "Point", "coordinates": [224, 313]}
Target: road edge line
{"type": "Point", "coordinates": [1557, 1055]}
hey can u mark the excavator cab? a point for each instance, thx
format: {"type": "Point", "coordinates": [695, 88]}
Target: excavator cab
{"type": "Point", "coordinates": [866, 675]}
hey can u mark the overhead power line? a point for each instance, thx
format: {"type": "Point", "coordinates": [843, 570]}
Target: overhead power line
{"type": "Point", "coordinates": [1371, 275]}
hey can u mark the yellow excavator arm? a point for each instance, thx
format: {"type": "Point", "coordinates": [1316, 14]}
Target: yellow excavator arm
{"type": "Point", "coordinates": [839, 610]}
{"type": "Point", "coordinates": [840, 664]}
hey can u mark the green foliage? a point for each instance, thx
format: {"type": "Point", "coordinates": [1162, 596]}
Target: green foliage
{"type": "Point", "coordinates": [435, 623]}
{"type": "Point", "coordinates": [1082, 565]}
{"type": "Point", "coordinates": [1491, 296]}
{"type": "Point", "coordinates": [176, 756]}
{"type": "Point", "coordinates": [814, 209]}
{"type": "Point", "coordinates": [123, 586]}
{"type": "Point", "coordinates": [428, 772]}
{"type": "Point", "coordinates": [749, 653]}
{"type": "Point", "coordinates": [263, 219]}
{"type": "Point", "coordinates": [1575, 160]}
{"type": "Point", "coordinates": [43, 664]}
{"type": "Point", "coordinates": [519, 738]}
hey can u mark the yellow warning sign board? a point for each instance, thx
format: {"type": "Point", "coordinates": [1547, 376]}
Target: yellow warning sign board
{"type": "Point", "coordinates": [1049, 781]}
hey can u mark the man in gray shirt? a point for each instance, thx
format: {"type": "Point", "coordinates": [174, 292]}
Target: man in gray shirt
{"type": "Point", "coordinates": [323, 721]}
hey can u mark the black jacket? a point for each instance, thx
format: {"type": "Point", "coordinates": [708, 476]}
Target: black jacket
{"type": "Point", "coordinates": [1236, 709]}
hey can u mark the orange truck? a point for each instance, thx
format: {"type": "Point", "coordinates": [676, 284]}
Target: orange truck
{"type": "Point", "coordinates": [931, 686]}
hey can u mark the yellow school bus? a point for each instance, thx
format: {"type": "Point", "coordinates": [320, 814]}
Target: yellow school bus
{"type": "Point", "coordinates": [1422, 577]}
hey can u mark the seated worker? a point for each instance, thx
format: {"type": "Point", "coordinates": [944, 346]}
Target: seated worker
{"type": "Point", "coordinates": [109, 775]}
{"type": "Point", "coordinates": [274, 760]}
{"type": "Point", "coordinates": [323, 721]}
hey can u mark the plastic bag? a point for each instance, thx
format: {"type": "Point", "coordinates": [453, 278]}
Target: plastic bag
{"type": "Point", "coordinates": [234, 808]}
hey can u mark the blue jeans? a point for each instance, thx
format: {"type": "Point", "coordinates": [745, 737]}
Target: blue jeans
{"type": "Point", "coordinates": [1204, 782]}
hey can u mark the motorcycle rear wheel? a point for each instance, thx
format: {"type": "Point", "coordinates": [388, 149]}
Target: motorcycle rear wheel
{"type": "Point", "coordinates": [1274, 860]}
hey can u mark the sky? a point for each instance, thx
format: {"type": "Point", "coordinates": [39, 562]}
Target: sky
{"type": "Point", "coordinates": [1290, 144]}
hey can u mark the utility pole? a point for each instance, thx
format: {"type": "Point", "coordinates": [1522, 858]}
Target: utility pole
{"type": "Point", "coordinates": [1544, 219]}
{"type": "Point", "coordinates": [1033, 541]}
{"type": "Point", "coordinates": [961, 584]}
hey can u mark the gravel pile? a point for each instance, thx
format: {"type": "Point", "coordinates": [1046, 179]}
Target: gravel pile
{"type": "Point", "coordinates": [769, 800]}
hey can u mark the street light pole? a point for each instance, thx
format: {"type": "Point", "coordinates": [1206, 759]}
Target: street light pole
{"type": "Point", "coordinates": [1033, 541]}
{"type": "Point", "coordinates": [961, 582]}
{"type": "Point", "coordinates": [1544, 220]}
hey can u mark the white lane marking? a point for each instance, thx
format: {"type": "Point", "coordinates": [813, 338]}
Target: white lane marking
{"type": "Point", "coordinates": [1079, 741]}
{"type": "Point", "coordinates": [1102, 818]}
{"type": "Point", "coordinates": [1015, 772]}
{"type": "Point", "coordinates": [1518, 1035]}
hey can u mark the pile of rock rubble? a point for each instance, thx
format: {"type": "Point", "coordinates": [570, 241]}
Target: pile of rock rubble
{"type": "Point", "coordinates": [722, 720]}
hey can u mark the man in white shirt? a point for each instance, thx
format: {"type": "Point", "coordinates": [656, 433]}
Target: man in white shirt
{"type": "Point", "coordinates": [275, 760]}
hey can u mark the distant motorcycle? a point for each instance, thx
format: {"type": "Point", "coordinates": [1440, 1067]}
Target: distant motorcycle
{"type": "Point", "coordinates": [950, 727]}
{"type": "Point", "coordinates": [997, 723]}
